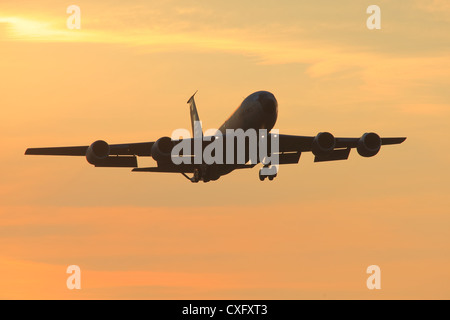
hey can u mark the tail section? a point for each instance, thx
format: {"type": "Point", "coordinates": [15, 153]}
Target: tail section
{"type": "Point", "coordinates": [196, 124]}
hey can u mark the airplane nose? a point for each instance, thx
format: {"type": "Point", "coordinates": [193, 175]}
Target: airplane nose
{"type": "Point", "coordinates": [268, 102]}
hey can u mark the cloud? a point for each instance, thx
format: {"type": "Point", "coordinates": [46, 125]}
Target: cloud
{"type": "Point", "coordinates": [381, 72]}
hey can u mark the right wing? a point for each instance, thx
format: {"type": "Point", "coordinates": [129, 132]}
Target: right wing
{"type": "Point", "coordinates": [304, 143]}
{"type": "Point", "coordinates": [291, 146]}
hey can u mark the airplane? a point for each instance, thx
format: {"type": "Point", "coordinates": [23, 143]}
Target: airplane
{"type": "Point", "coordinates": [259, 111]}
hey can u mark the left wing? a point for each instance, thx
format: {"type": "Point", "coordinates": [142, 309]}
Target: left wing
{"type": "Point", "coordinates": [138, 149]}
{"type": "Point", "coordinates": [100, 153]}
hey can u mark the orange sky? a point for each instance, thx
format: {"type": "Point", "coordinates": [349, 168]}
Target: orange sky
{"type": "Point", "coordinates": [311, 233]}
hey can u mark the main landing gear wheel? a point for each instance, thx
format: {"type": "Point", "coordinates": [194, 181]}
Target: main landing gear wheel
{"type": "Point", "coordinates": [197, 175]}
{"type": "Point", "coordinates": [205, 174]}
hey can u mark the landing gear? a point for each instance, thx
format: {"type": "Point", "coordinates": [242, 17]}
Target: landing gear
{"type": "Point", "coordinates": [261, 177]}
{"type": "Point", "coordinates": [267, 172]}
{"type": "Point", "coordinates": [196, 177]}
{"type": "Point", "coordinates": [203, 174]}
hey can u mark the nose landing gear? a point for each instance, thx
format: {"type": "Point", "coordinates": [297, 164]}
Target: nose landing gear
{"type": "Point", "coordinates": [266, 172]}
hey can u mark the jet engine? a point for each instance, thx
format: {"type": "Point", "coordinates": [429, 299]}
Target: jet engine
{"type": "Point", "coordinates": [323, 144]}
{"type": "Point", "coordinates": [369, 144]}
{"type": "Point", "coordinates": [162, 149]}
{"type": "Point", "coordinates": [99, 150]}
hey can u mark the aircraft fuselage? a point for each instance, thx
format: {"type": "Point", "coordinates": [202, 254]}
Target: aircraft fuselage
{"type": "Point", "coordinates": [258, 111]}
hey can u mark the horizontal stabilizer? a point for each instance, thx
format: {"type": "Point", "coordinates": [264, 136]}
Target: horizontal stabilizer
{"type": "Point", "coordinates": [188, 168]}
{"type": "Point", "coordinates": [182, 168]}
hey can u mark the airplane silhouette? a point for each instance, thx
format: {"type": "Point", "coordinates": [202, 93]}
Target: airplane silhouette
{"type": "Point", "coordinates": [259, 111]}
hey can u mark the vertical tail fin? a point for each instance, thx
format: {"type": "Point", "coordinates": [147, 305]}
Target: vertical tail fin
{"type": "Point", "coordinates": [196, 124]}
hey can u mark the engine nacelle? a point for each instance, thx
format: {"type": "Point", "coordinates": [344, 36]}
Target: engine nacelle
{"type": "Point", "coordinates": [369, 144]}
{"type": "Point", "coordinates": [323, 144]}
{"type": "Point", "coordinates": [97, 151]}
{"type": "Point", "coordinates": [162, 149]}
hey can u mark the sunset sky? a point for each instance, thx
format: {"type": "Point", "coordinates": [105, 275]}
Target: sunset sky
{"type": "Point", "coordinates": [311, 233]}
